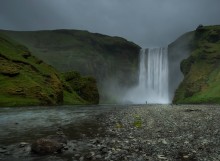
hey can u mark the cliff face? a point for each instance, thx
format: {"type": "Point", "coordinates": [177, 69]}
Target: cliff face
{"type": "Point", "coordinates": [85, 87]}
{"type": "Point", "coordinates": [113, 61]}
{"type": "Point", "coordinates": [26, 80]}
{"type": "Point", "coordinates": [178, 51]}
{"type": "Point", "coordinates": [201, 69]}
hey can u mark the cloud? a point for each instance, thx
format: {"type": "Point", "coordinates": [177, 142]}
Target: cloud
{"type": "Point", "coordinates": [146, 22]}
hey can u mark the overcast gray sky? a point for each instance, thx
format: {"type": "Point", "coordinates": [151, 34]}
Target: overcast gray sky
{"type": "Point", "coordinates": [145, 22]}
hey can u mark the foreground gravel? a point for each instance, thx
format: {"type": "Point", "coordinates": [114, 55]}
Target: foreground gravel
{"type": "Point", "coordinates": [145, 133]}
{"type": "Point", "coordinates": [164, 133]}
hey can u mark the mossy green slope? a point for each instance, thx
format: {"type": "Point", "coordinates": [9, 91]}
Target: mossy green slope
{"type": "Point", "coordinates": [85, 87]}
{"type": "Point", "coordinates": [178, 51]}
{"type": "Point", "coordinates": [26, 80]}
{"type": "Point", "coordinates": [92, 54]}
{"type": "Point", "coordinates": [201, 69]}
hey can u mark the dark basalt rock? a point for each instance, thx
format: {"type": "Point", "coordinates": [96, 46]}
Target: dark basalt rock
{"type": "Point", "coordinates": [50, 144]}
{"type": "Point", "coordinates": [46, 146]}
{"type": "Point", "coordinates": [60, 138]}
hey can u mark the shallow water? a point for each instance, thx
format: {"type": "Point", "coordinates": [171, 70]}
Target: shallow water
{"type": "Point", "coordinates": [90, 128]}
{"type": "Point", "coordinates": [25, 124]}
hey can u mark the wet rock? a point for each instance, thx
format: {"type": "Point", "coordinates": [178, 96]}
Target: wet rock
{"type": "Point", "coordinates": [96, 141]}
{"type": "Point", "coordinates": [77, 156]}
{"type": "Point", "coordinates": [104, 150]}
{"type": "Point", "coordinates": [65, 148]}
{"type": "Point", "coordinates": [23, 144]}
{"type": "Point", "coordinates": [50, 144]}
{"type": "Point", "coordinates": [162, 157]}
{"type": "Point", "coordinates": [192, 110]}
{"type": "Point", "coordinates": [184, 156]}
{"type": "Point", "coordinates": [61, 138]}
{"type": "Point", "coordinates": [98, 156]}
{"type": "Point", "coordinates": [3, 150]}
{"type": "Point", "coordinates": [90, 156]}
{"type": "Point", "coordinates": [46, 146]}
{"type": "Point", "coordinates": [164, 142]}
{"type": "Point", "coordinates": [81, 158]}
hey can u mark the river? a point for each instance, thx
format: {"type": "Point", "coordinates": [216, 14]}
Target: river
{"type": "Point", "coordinates": [26, 124]}
{"type": "Point", "coordinates": [114, 132]}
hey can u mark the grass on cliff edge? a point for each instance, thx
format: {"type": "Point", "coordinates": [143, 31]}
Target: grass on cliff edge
{"type": "Point", "coordinates": [201, 70]}
{"type": "Point", "coordinates": [26, 80]}
{"type": "Point", "coordinates": [101, 56]}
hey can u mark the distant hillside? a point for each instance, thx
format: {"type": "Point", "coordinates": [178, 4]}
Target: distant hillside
{"type": "Point", "coordinates": [26, 80]}
{"type": "Point", "coordinates": [201, 69]}
{"type": "Point", "coordinates": [113, 61]}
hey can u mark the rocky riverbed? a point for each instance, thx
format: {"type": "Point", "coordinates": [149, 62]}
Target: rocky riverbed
{"type": "Point", "coordinates": [132, 133]}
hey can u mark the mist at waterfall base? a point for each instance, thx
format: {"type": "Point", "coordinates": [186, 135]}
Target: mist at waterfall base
{"type": "Point", "coordinates": [152, 87]}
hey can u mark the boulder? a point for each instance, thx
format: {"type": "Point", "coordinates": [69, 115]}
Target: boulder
{"type": "Point", "coordinates": [50, 144]}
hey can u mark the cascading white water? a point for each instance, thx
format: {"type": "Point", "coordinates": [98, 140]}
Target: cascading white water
{"type": "Point", "coordinates": [153, 78]}
{"type": "Point", "coordinates": [157, 76]}
{"type": "Point", "coordinates": [142, 72]}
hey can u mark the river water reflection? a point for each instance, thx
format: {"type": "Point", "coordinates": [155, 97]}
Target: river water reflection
{"type": "Point", "coordinates": [25, 124]}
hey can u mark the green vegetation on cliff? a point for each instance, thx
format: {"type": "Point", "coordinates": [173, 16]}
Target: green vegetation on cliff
{"type": "Point", "coordinates": [85, 87]}
{"type": "Point", "coordinates": [26, 80]}
{"type": "Point", "coordinates": [178, 51]}
{"type": "Point", "coordinates": [108, 59]}
{"type": "Point", "coordinates": [201, 69]}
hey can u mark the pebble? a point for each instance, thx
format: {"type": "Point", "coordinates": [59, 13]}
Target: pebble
{"type": "Point", "coordinates": [98, 156]}
{"type": "Point", "coordinates": [161, 157]}
{"type": "Point", "coordinates": [164, 142]}
{"type": "Point", "coordinates": [23, 144]}
{"type": "Point", "coordinates": [186, 156]}
{"type": "Point", "coordinates": [81, 158]}
{"type": "Point", "coordinates": [3, 151]}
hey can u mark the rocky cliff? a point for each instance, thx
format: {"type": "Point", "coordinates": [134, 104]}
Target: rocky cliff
{"type": "Point", "coordinates": [113, 61]}
{"type": "Point", "coordinates": [26, 80]}
{"type": "Point", "coordinates": [178, 51]}
{"type": "Point", "coordinates": [200, 66]}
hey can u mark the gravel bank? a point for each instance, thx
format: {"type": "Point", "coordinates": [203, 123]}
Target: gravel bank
{"type": "Point", "coordinates": [154, 132]}
{"type": "Point", "coordinates": [146, 132]}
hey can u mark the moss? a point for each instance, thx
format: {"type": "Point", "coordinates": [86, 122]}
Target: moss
{"type": "Point", "coordinates": [85, 87]}
{"type": "Point", "coordinates": [25, 80]}
{"type": "Point", "coordinates": [8, 69]}
{"type": "Point", "coordinates": [15, 101]}
{"type": "Point", "coordinates": [201, 69]}
{"type": "Point", "coordinates": [119, 125]}
{"type": "Point", "coordinates": [73, 99]}
{"type": "Point", "coordinates": [137, 121]}
{"type": "Point", "coordinates": [101, 56]}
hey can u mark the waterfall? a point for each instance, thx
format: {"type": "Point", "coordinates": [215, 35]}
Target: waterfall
{"type": "Point", "coordinates": [157, 76]}
{"type": "Point", "coordinates": [153, 78]}
{"type": "Point", "coordinates": [142, 71]}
